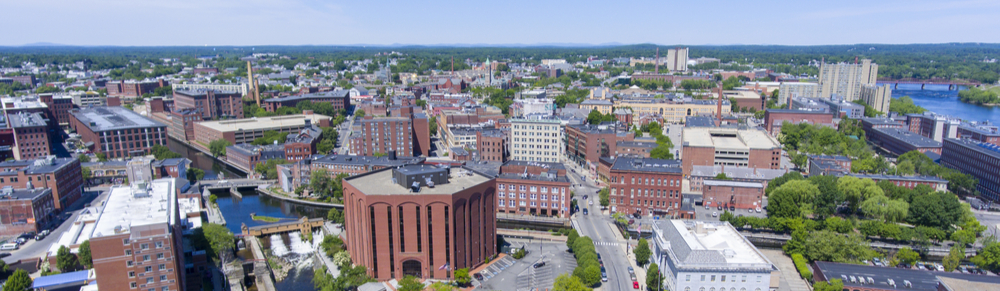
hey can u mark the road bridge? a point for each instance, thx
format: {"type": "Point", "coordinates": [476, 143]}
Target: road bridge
{"type": "Point", "coordinates": [952, 85]}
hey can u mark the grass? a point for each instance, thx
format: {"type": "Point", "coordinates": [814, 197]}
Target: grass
{"type": "Point", "coordinates": [265, 218]}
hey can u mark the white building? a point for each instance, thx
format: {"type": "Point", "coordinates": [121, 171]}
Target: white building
{"type": "Point", "coordinates": [241, 88]}
{"type": "Point", "coordinates": [846, 79]}
{"type": "Point", "coordinates": [796, 89]}
{"type": "Point", "coordinates": [709, 256]}
{"type": "Point", "coordinates": [536, 140]}
{"type": "Point", "coordinates": [677, 59]}
{"type": "Point", "coordinates": [87, 99]}
{"type": "Point", "coordinates": [524, 107]}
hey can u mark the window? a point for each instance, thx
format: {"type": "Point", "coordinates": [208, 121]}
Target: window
{"type": "Point", "coordinates": [713, 278]}
{"type": "Point", "coordinates": [144, 246]}
{"type": "Point", "coordinates": [128, 252]}
{"type": "Point", "coordinates": [131, 285]}
{"type": "Point", "coordinates": [165, 288]}
{"type": "Point", "coordinates": [159, 244]}
{"type": "Point", "coordinates": [149, 268]}
{"type": "Point", "coordinates": [131, 274]}
{"type": "Point", "coordinates": [159, 256]}
{"type": "Point", "coordinates": [124, 241]}
{"type": "Point", "coordinates": [149, 280]}
{"type": "Point", "coordinates": [758, 279]}
{"type": "Point", "coordinates": [145, 257]}
{"type": "Point", "coordinates": [723, 278]}
{"type": "Point", "coordinates": [163, 278]}
{"type": "Point", "coordinates": [163, 267]}
{"type": "Point", "coordinates": [129, 263]}
{"type": "Point", "coordinates": [687, 278]}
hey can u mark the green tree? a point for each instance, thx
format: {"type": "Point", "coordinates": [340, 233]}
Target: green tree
{"type": "Point", "coordinates": [335, 215]}
{"type": "Point", "coordinates": [722, 176]}
{"type": "Point", "coordinates": [880, 207]}
{"type": "Point", "coordinates": [571, 238]}
{"type": "Point", "coordinates": [793, 199]}
{"type": "Point", "coordinates": [833, 247]}
{"type": "Point", "coordinates": [833, 285]}
{"type": "Point", "coordinates": [904, 105]}
{"type": "Point", "coordinates": [84, 253]}
{"type": "Point", "coordinates": [989, 256]}
{"type": "Point", "coordinates": [85, 172]}
{"type": "Point", "coordinates": [101, 157]}
{"type": "Point", "coordinates": [65, 260]}
{"type": "Point", "coordinates": [195, 174]}
{"type": "Point", "coordinates": [462, 275]}
{"type": "Point", "coordinates": [605, 197]}
{"type": "Point", "coordinates": [410, 283]}
{"type": "Point", "coordinates": [798, 242]}
{"type": "Point", "coordinates": [219, 238]}
{"type": "Point", "coordinates": [567, 282]}
{"type": "Point", "coordinates": [84, 158]}
{"type": "Point", "coordinates": [590, 275]}
{"type": "Point", "coordinates": [857, 190]}
{"type": "Point", "coordinates": [955, 256]}
{"type": "Point", "coordinates": [907, 256]}
{"type": "Point", "coordinates": [939, 210]}
{"type": "Point", "coordinates": [162, 152]}
{"type": "Point", "coordinates": [218, 147]}
{"type": "Point", "coordinates": [19, 281]}
{"type": "Point", "coordinates": [642, 252]}
{"type": "Point", "coordinates": [320, 182]}
{"type": "Point", "coordinates": [359, 113]}
{"type": "Point", "coordinates": [654, 281]}
{"type": "Point", "coordinates": [433, 126]}
{"type": "Point", "coordinates": [839, 225]}
{"type": "Point", "coordinates": [46, 89]}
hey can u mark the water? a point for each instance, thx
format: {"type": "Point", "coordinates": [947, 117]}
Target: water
{"type": "Point", "coordinates": [299, 253]}
{"type": "Point", "coordinates": [210, 165]}
{"type": "Point", "coordinates": [939, 99]}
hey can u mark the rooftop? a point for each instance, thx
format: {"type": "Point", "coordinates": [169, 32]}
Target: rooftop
{"type": "Point", "coordinates": [920, 279]}
{"type": "Point", "coordinates": [303, 97]}
{"type": "Point", "coordinates": [377, 182]}
{"type": "Point", "coordinates": [262, 123]}
{"type": "Point", "coordinates": [714, 245]}
{"type": "Point", "coordinates": [737, 172]}
{"type": "Point", "coordinates": [728, 138]}
{"type": "Point", "coordinates": [646, 165]}
{"type": "Point", "coordinates": [49, 164]}
{"type": "Point", "coordinates": [23, 119]}
{"type": "Point", "coordinates": [138, 204]}
{"type": "Point", "coordinates": [8, 192]}
{"type": "Point", "coordinates": [733, 183]}
{"type": "Point", "coordinates": [910, 138]}
{"type": "Point", "coordinates": [384, 161]}
{"type": "Point", "coordinates": [106, 118]}
{"type": "Point", "coordinates": [982, 147]}
{"type": "Point", "coordinates": [646, 144]}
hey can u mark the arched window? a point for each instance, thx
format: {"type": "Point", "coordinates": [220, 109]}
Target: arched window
{"type": "Point", "coordinates": [412, 268]}
{"type": "Point", "coordinates": [687, 288]}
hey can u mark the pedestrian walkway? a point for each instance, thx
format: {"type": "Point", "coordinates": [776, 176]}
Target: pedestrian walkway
{"type": "Point", "coordinates": [790, 279]}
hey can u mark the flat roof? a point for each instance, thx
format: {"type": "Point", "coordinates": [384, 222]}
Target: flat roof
{"type": "Point", "coordinates": [378, 183]}
{"type": "Point", "coordinates": [921, 279]}
{"type": "Point", "coordinates": [27, 194]}
{"type": "Point", "coordinates": [104, 118]}
{"type": "Point", "coordinates": [646, 165]}
{"type": "Point", "coordinates": [709, 245]}
{"type": "Point", "coordinates": [981, 147]}
{"type": "Point", "coordinates": [137, 205]}
{"type": "Point", "coordinates": [728, 138]}
{"type": "Point", "coordinates": [367, 160]}
{"type": "Point", "coordinates": [737, 172]}
{"type": "Point", "coordinates": [317, 95]}
{"type": "Point", "coordinates": [645, 144]}
{"type": "Point", "coordinates": [711, 182]}
{"type": "Point", "coordinates": [910, 138]}
{"type": "Point", "coordinates": [258, 123]}
{"type": "Point", "coordinates": [22, 119]}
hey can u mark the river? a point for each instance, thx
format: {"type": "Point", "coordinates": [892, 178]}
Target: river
{"type": "Point", "coordinates": [939, 99]}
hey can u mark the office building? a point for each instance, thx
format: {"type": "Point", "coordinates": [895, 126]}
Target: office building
{"type": "Point", "coordinates": [897, 141]}
{"type": "Point", "coordinates": [212, 104]}
{"type": "Point", "coordinates": [492, 145]}
{"type": "Point", "coordinates": [542, 106]}
{"type": "Point", "coordinates": [241, 88]}
{"type": "Point", "coordinates": [339, 99]}
{"type": "Point", "coordinates": [753, 148]}
{"type": "Point", "coordinates": [238, 131]}
{"type": "Point", "coordinates": [533, 188]}
{"type": "Point", "coordinates": [291, 176]}
{"type": "Point", "coordinates": [25, 210]}
{"type": "Point", "coordinates": [87, 99]}
{"type": "Point", "coordinates": [646, 186]}
{"type": "Point", "coordinates": [420, 220]}
{"type": "Point", "coordinates": [117, 132]}
{"type": "Point", "coordinates": [774, 118]}
{"type": "Point", "coordinates": [246, 156]}
{"type": "Point", "coordinates": [733, 195]}
{"type": "Point", "coordinates": [62, 175]}
{"type": "Point", "coordinates": [978, 159]}
{"type": "Point", "coordinates": [536, 140]}
{"type": "Point", "coordinates": [133, 89]}
{"type": "Point", "coordinates": [677, 59]}
{"type": "Point", "coordinates": [587, 143]}
{"type": "Point", "coordinates": [846, 79]}
{"type": "Point", "coordinates": [31, 131]}
{"type": "Point", "coordinates": [980, 132]}
{"type": "Point", "coordinates": [703, 255]}
{"type": "Point", "coordinates": [381, 135]}
{"type": "Point", "coordinates": [933, 126]}
{"type": "Point", "coordinates": [790, 90]}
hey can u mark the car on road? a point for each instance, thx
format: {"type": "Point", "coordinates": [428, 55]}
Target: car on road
{"type": "Point", "coordinates": [591, 202]}
{"type": "Point", "coordinates": [635, 284]}
{"type": "Point", "coordinates": [538, 265]}
{"type": "Point", "coordinates": [585, 197]}
{"type": "Point", "coordinates": [604, 276]}
{"type": "Point", "coordinates": [631, 271]}
{"type": "Point", "coordinates": [10, 246]}
{"type": "Point", "coordinates": [478, 276]}
{"type": "Point", "coordinates": [585, 212]}
{"type": "Point", "coordinates": [40, 236]}
{"type": "Point", "coordinates": [4, 255]}
{"type": "Point", "coordinates": [715, 214]}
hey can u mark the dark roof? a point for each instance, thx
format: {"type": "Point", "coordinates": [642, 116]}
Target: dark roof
{"type": "Point", "coordinates": [984, 148]}
{"type": "Point", "coordinates": [460, 151]}
{"type": "Point", "coordinates": [910, 138]}
{"type": "Point", "coordinates": [832, 158]}
{"type": "Point", "coordinates": [637, 144]}
{"type": "Point", "coordinates": [921, 279]}
{"type": "Point", "coordinates": [46, 165]}
{"type": "Point", "coordinates": [318, 95]}
{"type": "Point", "coordinates": [798, 111]}
{"type": "Point", "coordinates": [646, 165]}
{"type": "Point", "coordinates": [556, 166]}
{"type": "Point", "coordinates": [699, 121]}
{"type": "Point", "coordinates": [171, 162]}
{"type": "Point", "coordinates": [26, 194]}
{"type": "Point", "coordinates": [368, 160]}
{"type": "Point", "coordinates": [491, 169]}
{"type": "Point", "coordinates": [900, 178]}
{"type": "Point", "coordinates": [590, 128]}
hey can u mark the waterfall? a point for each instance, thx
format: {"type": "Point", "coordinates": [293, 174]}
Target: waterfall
{"type": "Point", "coordinates": [278, 247]}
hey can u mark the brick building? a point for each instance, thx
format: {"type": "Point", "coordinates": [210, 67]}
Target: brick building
{"type": "Point", "coordinates": [301, 145]}
{"type": "Point", "coordinates": [587, 143]}
{"type": "Point", "coordinates": [32, 133]}
{"type": "Point", "coordinates": [982, 133]}
{"type": "Point", "coordinates": [978, 159]}
{"type": "Point", "coordinates": [117, 132]}
{"type": "Point", "coordinates": [381, 135]}
{"type": "Point", "coordinates": [774, 118]}
{"type": "Point", "coordinates": [898, 141]}
{"type": "Point", "coordinates": [492, 145]}
{"type": "Point", "coordinates": [646, 186]}
{"type": "Point", "coordinates": [910, 182]}
{"type": "Point", "coordinates": [182, 123]}
{"type": "Point", "coordinates": [420, 220]}
{"type": "Point", "coordinates": [533, 188]}
{"type": "Point", "coordinates": [933, 126]}
{"type": "Point", "coordinates": [59, 107]}
{"type": "Point", "coordinates": [868, 124]}
{"type": "Point", "coordinates": [296, 174]}
{"type": "Point", "coordinates": [246, 156]}
{"type": "Point", "coordinates": [635, 149]}
{"type": "Point", "coordinates": [214, 104]}
{"type": "Point", "coordinates": [339, 99]}
{"type": "Point", "coordinates": [828, 165]}
{"type": "Point", "coordinates": [25, 210]}
{"type": "Point", "coordinates": [133, 89]}
{"type": "Point", "coordinates": [62, 175]}
{"type": "Point", "coordinates": [733, 195]}
{"type": "Point", "coordinates": [752, 148]}
{"type": "Point", "coordinates": [238, 131]}
{"type": "Point", "coordinates": [700, 174]}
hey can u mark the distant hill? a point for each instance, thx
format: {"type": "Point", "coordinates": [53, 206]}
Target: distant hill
{"type": "Point", "coordinates": [44, 44]}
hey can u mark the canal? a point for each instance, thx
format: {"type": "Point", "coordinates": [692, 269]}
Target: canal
{"type": "Point", "coordinates": [291, 247]}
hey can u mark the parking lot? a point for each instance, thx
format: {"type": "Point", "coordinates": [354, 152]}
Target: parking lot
{"type": "Point", "coordinates": [508, 274]}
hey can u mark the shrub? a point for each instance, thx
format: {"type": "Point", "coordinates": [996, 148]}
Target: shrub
{"type": "Point", "coordinates": [803, 266]}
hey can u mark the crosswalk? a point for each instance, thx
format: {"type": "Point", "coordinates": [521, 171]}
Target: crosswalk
{"type": "Point", "coordinates": [607, 243]}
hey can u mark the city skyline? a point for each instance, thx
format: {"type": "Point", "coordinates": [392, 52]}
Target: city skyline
{"type": "Point", "coordinates": [386, 23]}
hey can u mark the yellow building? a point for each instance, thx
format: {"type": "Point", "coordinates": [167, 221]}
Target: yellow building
{"type": "Point", "coordinates": [602, 106]}
{"type": "Point", "coordinates": [672, 111]}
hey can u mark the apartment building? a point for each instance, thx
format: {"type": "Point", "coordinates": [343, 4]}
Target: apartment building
{"type": "Point", "coordinates": [117, 132]}
{"type": "Point", "coordinates": [533, 188]}
{"type": "Point", "coordinates": [536, 140]}
{"type": "Point", "coordinates": [32, 133]}
{"type": "Point", "coordinates": [846, 79]}
{"type": "Point", "coordinates": [979, 159]}
{"type": "Point", "coordinates": [382, 135]}
{"type": "Point", "coordinates": [214, 104]}
{"type": "Point", "coordinates": [646, 186]}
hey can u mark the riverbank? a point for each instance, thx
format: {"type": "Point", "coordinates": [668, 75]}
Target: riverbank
{"type": "Point", "coordinates": [283, 197]}
{"type": "Point", "coordinates": [207, 153]}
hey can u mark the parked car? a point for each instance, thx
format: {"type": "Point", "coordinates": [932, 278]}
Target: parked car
{"type": "Point", "coordinates": [538, 265]}
{"type": "Point", "coordinates": [604, 276]}
{"type": "Point", "coordinates": [635, 284]}
{"type": "Point", "coordinates": [715, 214]}
{"type": "Point", "coordinates": [40, 236]}
{"type": "Point", "coordinates": [478, 276]}
{"type": "Point", "coordinates": [631, 271]}
{"type": "Point", "coordinates": [4, 255]}
{"type": "Point", "coordinates": [585, 212]}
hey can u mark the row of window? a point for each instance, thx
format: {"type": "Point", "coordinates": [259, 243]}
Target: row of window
{"type": "Point", "coordinates": [533, 196]}
{"type": "Point", "coordinates": [722, 278]}
{"type": "Point", "coordinates": [648, 181]}
{"type": "Point", "coordinates": [512, 203]}
{"type": "Point", "coordinates": [532, 188]}
{"type": "Point", "coordinates": [648, 193]}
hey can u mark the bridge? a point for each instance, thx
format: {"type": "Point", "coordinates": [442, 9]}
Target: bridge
{"type": "Point", "coordinates": [952, 84]}
{"type": "Point", "coordinates": [303, 225]}
{"type": "Point", "coordinates": [233, 185]}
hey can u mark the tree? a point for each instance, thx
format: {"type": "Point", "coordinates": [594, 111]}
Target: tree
{"type": "Point", "coordinates": [940, 210]}
{"type": "Point", "coordinates": [777, 182]}
{"type": "Point", "coordinates": [722, 176]}
{"type": "Point", "coordinates": [571, 238]}
{"type": "Point", "coordinates": [19, 281]}
{"type": "Point", "coordinates": [907, 256]}
{"type": "Point", "coordinates": [46, 89]}
{"type": "Point", "coordinates": [462, 275]}
{"type": "Point", "coordinates": [410, 283]}
{"type": "Point", "coordinates": [219, 238]}
{"type": "Point", "coordinates": [605, 197]}
{"type": "Point", "coordinates": [85, 172]}
{"type": "Point", "coordinates": [84, 158]}
{"type": "Point", "coordinates": [880, 207]}
{"type": "Point", "coordinates": [955, 256]}
{"type": "Point", "coordinates": [359, 113]}
{"type": "Point", "coordinates": [320, 182]}
{"type": "Point", "coordinates": [162, 152]}
{"type": "Point", "coordinates": [65, 260]}
{"type": "Point", "coordinates": [857, 190]}
{"type": "Point", "coordinates": [335, 216]}
{"type": "Point", "coordinates": [989, 256]}
{"type": "Point", "coordinates": [218, 147]}
{"type": "Point", "coordinates": [567, 282]}
{"type": "Point", "coordinates": [101, 157]}
{"type": "Point", "coordinates": [195, 174]}
{"type": "Point", "coordinates": [904, 105]}
{"type": "Point", "coordinates": [839, 224]}
{"type": "Point", "coordinates": [342, 259]}
{"type": "Point", "coordinates": [84, 253]}
{"type": "Point", "coordinates": [793, 199]}
{"type": "Point", "coordinates": [433, 126]}
{"type": "Point", "coordinates": [833, 247]}
{"type": "Point", "coordinates": [590, 275]}
{"type": "Point", "coordinates": [642, 252]}
{"type": "Point", "coordinates": [654, 281]}
{"type": "Point", "coordinates": [829, 197]}
{"type": "Point", "coordinates": [834, 285]}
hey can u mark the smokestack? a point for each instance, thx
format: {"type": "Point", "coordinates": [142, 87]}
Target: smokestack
{"type": "Point", "coordinates": [253, 84]}
{"type": "Point", "coordinates": [718, 109]}
{"type": "Point", "coordinates": [657, 61]}
{"type": "Point", "coordinates": [452, 66]}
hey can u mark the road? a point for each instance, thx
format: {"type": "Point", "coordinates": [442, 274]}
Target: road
{"type": "Point", "coordinates": [37, 249]}
{"type": "Point", "coordinates": [344, 144]}
{"type": "Point", "coordinates": [597, 226]}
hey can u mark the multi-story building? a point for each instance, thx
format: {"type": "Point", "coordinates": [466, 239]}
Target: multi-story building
{"type": "Point", "coordinates": [700, 174]}
{"type": "Point", "coordinates": [842, 108]}
{"type": "Point", "coordinates": [898, 141]}
{"type": "Point", "coordinates": [339, 99]}
{"type": "Point", "coordinates": [698, 255]}
{"type": "Point", "coordinates": [646, 186]}
{"type": "Point", "coordinates": [870, 123]}
{"type": "Point", "coordinates": [587, 143]}
{"type": "Point", "coordinates": [745, 99]}
{"type": "Point", "coordinates": [536, 140]}
{"type": "Point", "coordinates": [534, 188]}
{"type": "Point", "coordinates": [32, 134]}
{"type": "Point", "coordinates": [877, 278]}
{"type": "Point", "coordinates": [421, 134]}
{"type": "Point", "coordinates": [978, 159]}
{"type": "Point", "coordinates": [59, 107]}
{"type": "Point", "coordinates": [87, 99]}
{"type": "Point", "coordinates": [672, 110]}
{"type": "Point", "coordinates": [181, 122]}
{"type": "Point", "coordinates": [774, 118]}
{"type": "Point", "coordinates": [133, 89]}
{"type": "Point", "coordinates": [635, 149]}
{"type": "Point", "coordinates": [846, 79]}
{"type": "Point", "coordinates": [296, 174]}
{"type": "Point", "coordinates": [933, 126]}
{"type": "Point", "coordinates": [677, 59]}
{"type": "Point", "coordinates": [753, 148]}
{"type": "Point", "coordinates": [136, 241]}
{"type": "Point", "coordinates": [911, 182]}
{"type": "Point", "coordinates": [213, 104]}
{"type": "Point", "coordinates": [25, 210]}
{"type": "Point", "coordinates": [733, 195]}
{"type": "Point", "coordinates": [420, 220]}
{"type": "Point", "coordinates": [828, 165]}
{"type": "Point", "coordinates": [465, 137]}
{"type": "Point", "coordinates": [790, 90]}
{"type": "Point", "coordinates": [246, 156]}
{"type": "Point", "coordinates": [117, 132]}
{"type": "Point", "coordinates": [382, 135]}
{"type": "Point", "coordinates": [981, 133]}
{"type": "Point", "coordinates": [877, 97]}
{"type": "Point", "coordinates": [238, 131]}
{"type": "Point", "coordinates": [602, 106]}
{"type": "Point", "coordinates": [523, 107]}
{"type": "Point", "coordinates": [302, 145]}
{"type": "Point", "coordinates": [241, 88]}
{"type": "Point", "coordinates": [62, 175]}
{"type": "Point", "coordinates": [492, 145]}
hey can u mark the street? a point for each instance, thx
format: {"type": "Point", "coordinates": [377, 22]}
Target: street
{"type": "Point", "coordinates": [37, 249]}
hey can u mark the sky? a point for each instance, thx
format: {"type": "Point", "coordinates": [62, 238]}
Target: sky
{"type": "Point", "coordinates": [376, 22]}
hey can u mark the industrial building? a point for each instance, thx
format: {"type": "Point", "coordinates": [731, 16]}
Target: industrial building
{"type": "Point", "coordinates": [740, 147]}
{"type": "Point", "coordinates": [117, 132]}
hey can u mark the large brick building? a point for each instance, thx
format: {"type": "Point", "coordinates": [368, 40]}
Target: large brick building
{"type": "Point", "coordinates": [733, 195]}
{"type": "Point", "coordinates": [340, 99]}
{"type": "Point", "coordinates": [646, 186]}
{"type": "Point", "coordinates": [774, 118]}
{"type": "Point", "coordinates": [983, 133]}
{"type": "Point", "coordinates": [381, 135]}
{"type": "Point", "coordinates": [296, 174]}
{"type": "Point", "coordinates": [213, 104]}
{"type": "Point", "coordinates": [751, 148]}
{"type": "Point", "coordinates": [32, 133]}
{"type": "Point", "coordinates": [978, 159]}
{"type": "Point", "coordinates": [533, 188]}
{"type": "Point", "coordinates": [246, 130]}
{"type": "Point", "coordinates": [62, 175]}
{"type": "Point", "coordinates": [25, 210]}
{"type": "Point", "coordinates": [899, 141]}
{"type": "Point", "coordinates": [117, 132]}
{"type": "Point", "coordinates": [491, 145]}
{"type": "Point", "coordinates": [588, 143]}
{"type": "Point", "coordinates": [420, 220]}
{"type": "Point", "coordinates": [133, 88]}
{"type": "Point", "coordinates": [869, 124]}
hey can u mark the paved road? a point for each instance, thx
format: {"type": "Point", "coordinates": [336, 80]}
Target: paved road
{"type": "Point", "coordinates": [344, 136]}
{"type": "Point", "coordinates": [596, 226]}
{"type": "Point", "coordinates": [37, 249]}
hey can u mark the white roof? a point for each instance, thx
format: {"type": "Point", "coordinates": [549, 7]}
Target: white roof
{"type": "Point", "coordinates": [136, 205]}
{"type": "Point", "coordinates": [722, 238]}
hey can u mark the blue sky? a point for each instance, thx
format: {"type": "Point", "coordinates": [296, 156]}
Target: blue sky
{"type": "Point", "coordinates": [335, 22]}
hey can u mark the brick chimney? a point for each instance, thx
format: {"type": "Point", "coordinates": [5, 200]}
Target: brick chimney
{"type": "Point", "coordinates": [718, 110]}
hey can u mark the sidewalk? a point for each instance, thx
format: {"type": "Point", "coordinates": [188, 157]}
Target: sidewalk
{"type": "Point", "coordinates": [640, 272]}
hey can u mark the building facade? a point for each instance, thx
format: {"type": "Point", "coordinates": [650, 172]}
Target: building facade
{"type": "Point", "coordinates": [212, 104]}
{"type": "Point", "coordinates": [382, 135]}
{"type": "Point", "coordinates": [846, 79]}
{"type": "Point", "coordinates": [698, 256]}
{"type": "Point", "coordinates": [898, 141]}
{"type": "Point", "coordinates": [117, 132]}
{"type": "Point", "coordinates": [733, 195]}
{"type": "Point", "coordinates": [25, 210]}
{"type": "Point", "coordinates": [586, 143]}
{"type": "Point", "coordinates": [536, 140]}
{"type": "Point", "coordinates": [646, 186]}
{"type": "Point", "coordinates": [492, 145]}
{"type": "Point", "coordinates": [133, 89]}
{"type": "Point", "coordinates": [774, 118]}
{"type": "Point", "coordinates": [32, 133]}
{"type": "Point", "coordinates": [246, 130]}
{"type": "Point", "coordinates": [978, 159]}
{"type": "Point", "coordinates": [752, 148]}
{"type": "Point", "coordinates": [533, 188]}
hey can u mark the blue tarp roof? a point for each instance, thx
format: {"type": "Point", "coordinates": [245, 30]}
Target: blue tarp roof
{"type": "Point", "coordinates": [77, 277]}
